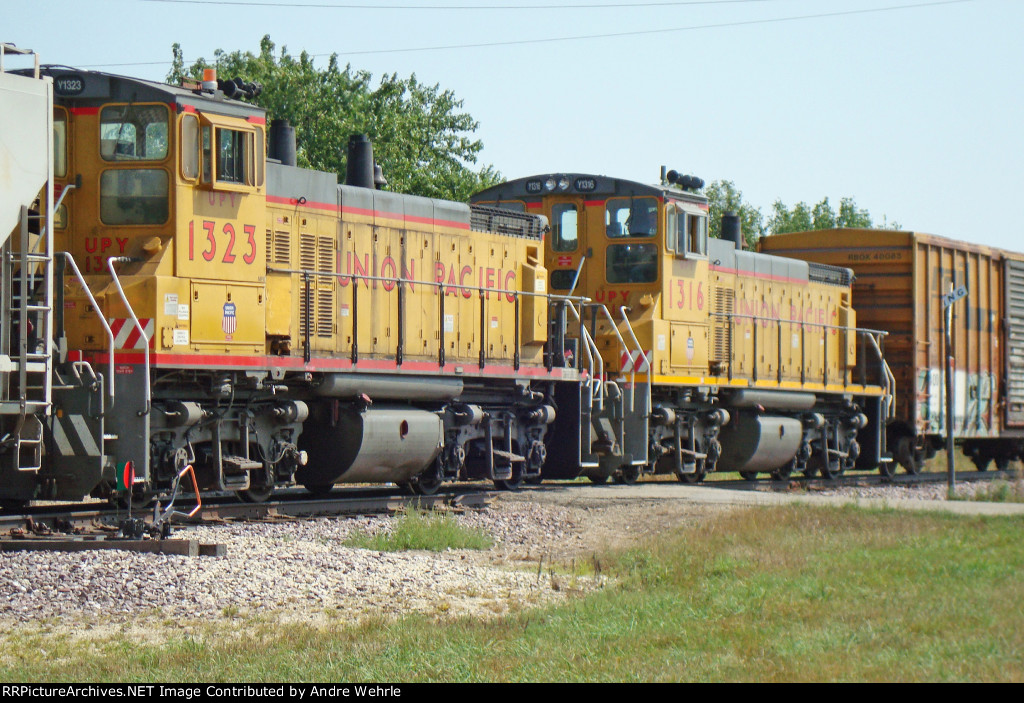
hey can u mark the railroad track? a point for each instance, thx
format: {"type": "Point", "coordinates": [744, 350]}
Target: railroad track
{"type": "Point", "coordinates": [865, 479]}
{"type": "Point", "coordinates": [98, 519]}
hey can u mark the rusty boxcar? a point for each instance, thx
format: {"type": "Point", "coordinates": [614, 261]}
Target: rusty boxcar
{"type": "Point", "coordinates": [901, 278]}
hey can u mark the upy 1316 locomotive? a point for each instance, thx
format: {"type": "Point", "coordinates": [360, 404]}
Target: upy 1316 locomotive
{"type": "Point", "coordinates": [178, 298]}
{"type": "Point", "coordinates": [739, 361]}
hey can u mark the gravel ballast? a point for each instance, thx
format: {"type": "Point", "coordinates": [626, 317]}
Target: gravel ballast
{"type": "Point", "coordinates": [303, 569]}
{"type": "Point", "coordinates": [291, 568]}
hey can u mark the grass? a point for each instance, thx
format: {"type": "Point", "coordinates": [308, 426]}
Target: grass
{"type": "Point", "coordinates": [417, 529]}
{"type": "Point", "coordinates": [791, 593]}
{"type": "Point", "coordinates": [996, 492]}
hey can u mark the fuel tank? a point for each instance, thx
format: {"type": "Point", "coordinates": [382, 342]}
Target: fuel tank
{"type": "Point", "coordinates": [759, 442]}
{"type": "Point", "coordinates": [378, 445]}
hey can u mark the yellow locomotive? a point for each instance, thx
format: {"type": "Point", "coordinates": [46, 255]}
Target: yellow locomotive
{"type": "Point", "coordinates": [719, 358]}
{"type": "Point", "coordinates": [217, 308]}
{"type": "Point", "coordinates": [187, 296]}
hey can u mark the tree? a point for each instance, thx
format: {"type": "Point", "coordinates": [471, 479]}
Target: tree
{"type": "Point", "coordinates": [421, 138]}
{"type": "Point", "coordinates": [723, 197]}
{"type": "Point", "coordinates": [821, 216]}
{"type": "Point", "coordinates": [851, 216]}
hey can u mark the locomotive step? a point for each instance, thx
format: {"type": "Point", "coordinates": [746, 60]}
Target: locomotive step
{"type": "Point", "coordinates": [510, 456]}
{"type": "Point", "coordinates": [240, 463]}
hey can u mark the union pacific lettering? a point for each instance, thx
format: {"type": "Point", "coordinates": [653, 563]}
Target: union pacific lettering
{"type": "Point", "coordinates": [454, 279]}
{"type": "Point", "coordinates": [770, 312]}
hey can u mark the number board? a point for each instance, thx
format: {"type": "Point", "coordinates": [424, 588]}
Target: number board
{"type": "Point", "coordinates": [225, 237]}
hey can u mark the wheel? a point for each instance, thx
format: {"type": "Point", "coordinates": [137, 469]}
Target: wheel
{"type": "Point", "coordinates": [694, 478]}
{"type": "Point", "coordinates": [784, 472]}
{"type": "Point", "coordinates": [831, 470]}
{"type": "Point", "coordinates": [598, 480]}
{"type": "Point", "coordinates": [258, 494]}
{"type": "Point", "coordinates": [907, 456]}
{"type": "Point", "coordinates": [828, 469]}
{"type": "Point", "coordinates": [319, 490]}
{"type": "Point", "coordinates": [427, 483]}
{"type": "Point", "coordinates": [888, 469]}
{"type": "Point", "coordinates": [627, 474]}
{"type": "Point", "coordinates": [513, 483]}
{"type": "Point", "coordinates": [749, 475]}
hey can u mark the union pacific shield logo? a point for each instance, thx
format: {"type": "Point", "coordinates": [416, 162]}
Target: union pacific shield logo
{"type": "Point", "coordinates": [230, 322]}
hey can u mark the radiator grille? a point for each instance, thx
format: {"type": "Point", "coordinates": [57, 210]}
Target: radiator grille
{"type": "Point", "coordinates": [723, 306]}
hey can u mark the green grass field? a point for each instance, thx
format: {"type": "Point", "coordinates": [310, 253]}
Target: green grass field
{"type": "Point", "coordinates": [417, 529]}
{"type": "Point", "coordinates": [769, 594]}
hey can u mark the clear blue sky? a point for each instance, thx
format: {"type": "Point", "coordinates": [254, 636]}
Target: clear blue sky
{"type": "Point", "coordinates": [915, 111]}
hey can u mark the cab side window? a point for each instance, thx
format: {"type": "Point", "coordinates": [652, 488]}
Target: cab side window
{"type": "Point", "coordinates": [233, 157]}
{"type": "Point", "coordinates": [190, 147]}
{"type": "Point", "coordinates": [687, 233]}
{"type": "Point", "coordinates": [697, 234]}
{"type": "Point", "coordinates": [564, 227]}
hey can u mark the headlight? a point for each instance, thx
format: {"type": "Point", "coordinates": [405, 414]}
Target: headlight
{"type": "Point", "coordinates": [549, 184]}
{"type": "Point", "coordinates": [563, 183]}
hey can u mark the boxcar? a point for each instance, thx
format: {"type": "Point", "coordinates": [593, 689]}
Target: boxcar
{"type": "Point", "coordinates": [901, 278]}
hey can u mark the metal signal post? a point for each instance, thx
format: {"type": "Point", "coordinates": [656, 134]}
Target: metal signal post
{"type": "Point", "coordinates": [947, 304]}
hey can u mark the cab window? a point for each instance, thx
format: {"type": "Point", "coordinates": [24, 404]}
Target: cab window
{"type": "Point", "coordinates": [686, 233]}
{"type": "Point", "coordinates": [564, 226]}
{"type": "Point", "coordinates": [631, 217]}
{"type": "Point", "coordinates": [60, 144]}
{"type": "Point", "coordinates": [133, 132]}
{"type": "Point", "coordinates": [135, 196]}
{"type": "Point", "coordinates": [232, 157]}
{"type": "Point", "coordinates": [234, 153]}
{"type": "Point", "coordinates": [561, 279]}
{"type": "Point", "coordinates": [631, 263]}
{"type": "Point", "coordinates": [190, 147]}
{"type": "Point", "coordinates": [697, 234]}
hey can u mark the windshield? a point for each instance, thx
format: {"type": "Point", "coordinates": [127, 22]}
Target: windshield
{"type": "Point", "coordinates": [631, 217]}
{"type": "Point", "coordinates": [133, 133]}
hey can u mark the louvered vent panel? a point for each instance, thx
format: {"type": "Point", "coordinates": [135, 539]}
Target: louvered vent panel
{"type": "Point", "coordinates": [307, 262]}
{"type": "Point", "coordinates": [282, 253]}
{"type": "Point", "coordinates": [307, 252]}
{"type": "Point", "coordinates": [325, 287]}
{"type": "Point", "coordinates": [724, 303]}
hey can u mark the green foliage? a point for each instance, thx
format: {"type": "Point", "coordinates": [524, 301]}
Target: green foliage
{"type": "Point", "coordinates": [723, 197]}
{"type": "Point", "coordinates": [416, 529]}
{"type": "Point", "coordinates": [421, 137]}
{"type": "Point", "coordinates": [803, 217]}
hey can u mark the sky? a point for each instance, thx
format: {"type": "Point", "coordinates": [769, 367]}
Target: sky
{"type": "Point", "coordinates": [914, 108]}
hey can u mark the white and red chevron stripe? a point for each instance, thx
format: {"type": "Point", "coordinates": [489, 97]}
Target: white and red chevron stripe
{"type": "Point", "coordinates": [633, 361]}
{"type": "Point", "coordinates": [127, 335]}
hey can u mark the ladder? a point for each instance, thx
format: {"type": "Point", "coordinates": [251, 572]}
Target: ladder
{"type": "Point", "coordinates": [26, 266]}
